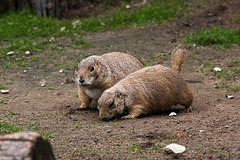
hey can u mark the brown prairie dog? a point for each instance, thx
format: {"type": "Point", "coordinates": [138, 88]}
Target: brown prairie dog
{"type": "Point", "coordinates": [149, 90]}
{"type": "Point", "coordinates": [95, 74]}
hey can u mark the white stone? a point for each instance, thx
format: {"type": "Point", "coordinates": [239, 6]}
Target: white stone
{"type": "Point", "coordinates": [175, 148]}
{"type": "Point", "coordinates": [42, 83]}
{"type": "Point", "coordinates": [10, 53]}
{"type": "Point", "coordinates": [61, 71]}
{"type": "Point", "coordinates": [128, 6]}
{"type": "Point", "coordinates": [217, 69]}
{"type": "Point", "coordinates": [229, 96]}
{"type": "Point", "coordinates": [172, 114]}
{"type": "Point", "coordinates": [201, 131]}
{"type": "Point", "coordinates": [27, 52]}
{"type": "Point", "coordinates": [52, 39]}
{"type": "Point", "coordinates": [4, 91]}
{"type": "Point", "coordinates": [25, 71]}
{"type": "Point", "coordinates": [62, 29]}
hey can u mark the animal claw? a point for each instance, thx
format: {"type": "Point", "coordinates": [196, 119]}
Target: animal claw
{"type": "Point", "coordinates": [127, 117]}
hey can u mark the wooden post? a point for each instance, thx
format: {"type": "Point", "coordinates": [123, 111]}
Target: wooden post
{"type": "Point", "coordinates": [22, 145]}
{"type": "Point", "coordinates": [45, 8]}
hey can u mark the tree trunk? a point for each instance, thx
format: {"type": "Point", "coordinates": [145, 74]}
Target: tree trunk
{"type": "Point", "coordinates": [29, 146]}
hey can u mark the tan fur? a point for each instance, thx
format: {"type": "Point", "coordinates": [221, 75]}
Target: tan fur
{"type": "Point", "coordinates": [149, 90]}
{"type": "Point", "coordinates": [178, 57]}
{"type": "Point", "coordinates": [95, 74]}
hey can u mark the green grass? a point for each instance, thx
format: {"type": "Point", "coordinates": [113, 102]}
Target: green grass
{"type": "Point", "coordinates": [24, 24]}
{"type": "Point", "coordinates": [230, 72]}
{"type": "Point", "coordinates": [214, 36]}
{"type": "Point", "coordinates": [19, 47]}
{"type": "Point", "coordinates": [22, 31]}
{"type": "Point", "coordinates": [80, 43]}
{"type": "Point", "coordinates": [6, 128]}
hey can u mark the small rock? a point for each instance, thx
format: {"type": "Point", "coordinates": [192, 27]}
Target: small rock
{"type": "Point", "coordinates": [217, 69]}
{"type": "Point", "coordinates": [172, 114]}
{"type": "Point", "coordinates": [201, 131]}
{"type": "Point", "coordinates": [4, 91]}
{"type": "Point", "coordinates": [27, 52]}
{"type": "Point", "coordinates": [61, 71]}
{"type": "Point", "coordinates": [10, 53]}
{"type": "Point", "coordinates": [62, 84]}
{"type": "Point", "coordinates": [128, 6]}
{"type": "Point", "coordinates": [52, 39]}
{"type": "Point", "coordinates": [226, 126]}
{"type": "Point", "coordinates": [229, 96]}
{"type": "Point", "coordinates": [109, 131]}
{"type": "Point", "coordinates": [174, 148]}
{"type": "Point", "coordinates": [25, 71]}
{"type": "Point", "coordinates": [62, 29]}
{"type": "Point", "coordinates": [43, 81]}
{"type": "Point", "coordinates": [43, 85]}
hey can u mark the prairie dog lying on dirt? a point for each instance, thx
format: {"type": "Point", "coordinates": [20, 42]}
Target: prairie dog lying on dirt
{"type": "Point", "coordinates": [149, 90]}
{"type": "Point", "coordinates": [95, 74]}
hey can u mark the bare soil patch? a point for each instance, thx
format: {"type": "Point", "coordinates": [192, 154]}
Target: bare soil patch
{"type": "Point", "coordinates": [211, 131]}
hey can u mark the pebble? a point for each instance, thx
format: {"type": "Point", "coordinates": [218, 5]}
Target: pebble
{"type": "Point", "coordinates": [217, 69]}
{"type": "Point", "coordinates": [61, 71]}
{"type": "Point", "coordinates": [25, 71]}
{"type": "Point", "coordinates": [4, 91]}
{"type": "Point", "coordinates": [42, 83]}
{"type": "Point", "coordinates": [27, 52]}
{"type": "Point", "coordinates": [52, 39]}
{"type": "Point", "coordinates": [229, 96]}
{"type": "Point", "coordinates": [109, 131]}
{"type": "Point", "coordinates": [201, 131]}
{"type": "Point", "coordinates": [172, 114]}
{"type": "Point", "coordinates": [62, 29]}
{"type": "Point", "coordinates": [174, 148]}
{"type": "Point", "coordinates": [10, 53]}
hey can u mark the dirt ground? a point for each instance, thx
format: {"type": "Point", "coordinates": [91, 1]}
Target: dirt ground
{"type": "Point", "coordinates": [211, 131]}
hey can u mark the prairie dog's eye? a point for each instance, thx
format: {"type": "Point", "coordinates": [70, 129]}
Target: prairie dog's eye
{"type": "Point", "coordinates": [111, 104]}
{"type": "Point", "coordinates": [92, 69]}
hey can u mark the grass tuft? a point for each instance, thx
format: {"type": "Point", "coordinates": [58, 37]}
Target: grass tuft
{"type": "Point", "coordinates": [6, 128]}
{"type": "Point", "coordinates": [213, 37]}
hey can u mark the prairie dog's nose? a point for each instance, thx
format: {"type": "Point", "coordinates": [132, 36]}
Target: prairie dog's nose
{"type": "Point", "coordinates": [103, 116]}
{"type": "Point", "coordinates": [81, 81]}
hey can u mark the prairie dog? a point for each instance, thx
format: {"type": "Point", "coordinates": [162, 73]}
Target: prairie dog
{"type": "Point", "coordinates": [95, 74]}
{"type": "Point", "coordinates": [149, 90]}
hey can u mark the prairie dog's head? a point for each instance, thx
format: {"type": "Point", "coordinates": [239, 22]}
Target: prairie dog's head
{"type": "Point", "coordinates": [111, 105]}
{"type": "Point", "coordinates": [87, 71]}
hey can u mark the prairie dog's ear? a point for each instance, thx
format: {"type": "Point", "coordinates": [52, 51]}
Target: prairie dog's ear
{"type": "Point", "coordinates": [98, 63]}
{"type": "Point", "coordinates": [118, 95]}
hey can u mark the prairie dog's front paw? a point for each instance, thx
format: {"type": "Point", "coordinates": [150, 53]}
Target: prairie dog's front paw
{"type": "Point", "coordinates": [82, 107]}
{"type": "Point", "coordinates": [128, 117]}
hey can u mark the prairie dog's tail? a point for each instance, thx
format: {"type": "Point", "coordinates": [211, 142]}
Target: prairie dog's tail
{"type": "Point", "coordinates": [178, 57]}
